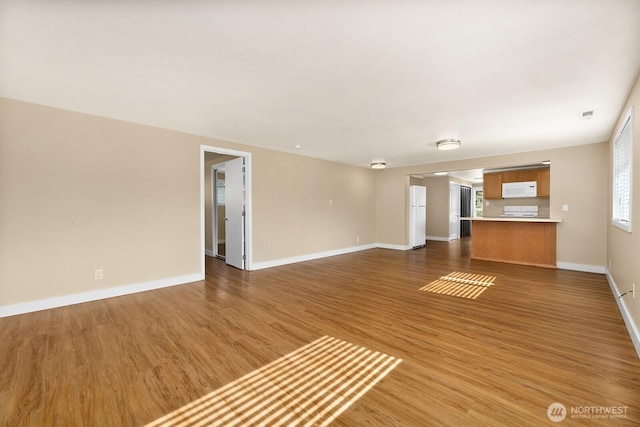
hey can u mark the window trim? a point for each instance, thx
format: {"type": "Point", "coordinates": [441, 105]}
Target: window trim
{"type": "Point", "coordinates": [626, 126]}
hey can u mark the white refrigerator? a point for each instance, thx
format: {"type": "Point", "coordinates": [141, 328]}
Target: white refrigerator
{"type": "Point", "coordinates": [417, 216]}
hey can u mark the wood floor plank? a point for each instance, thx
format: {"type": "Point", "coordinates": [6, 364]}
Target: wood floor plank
{"type": "Point", "coordinates": [537, 336]}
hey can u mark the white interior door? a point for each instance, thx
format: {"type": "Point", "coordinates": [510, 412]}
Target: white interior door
{"type": "Point", "coordinates": [454, 211]}
{"type": "Point", "coordinates": [234, 220]}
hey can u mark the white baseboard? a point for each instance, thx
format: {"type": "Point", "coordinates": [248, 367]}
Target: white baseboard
{"type": "Point", "coordinates": [439, 238]}
{"type": "Point", "coordinates": [309, 257]}
{"type": "Point", "coordinates": [208, 252]}
{"type": "Point", "coordinates": [632, 328]}
{"type": "Point", "coordinates": [45, 304]}
{"type": "Point", "coordinates": [394, 247]}
{"type": "Point", "coordinates": [581, 267]}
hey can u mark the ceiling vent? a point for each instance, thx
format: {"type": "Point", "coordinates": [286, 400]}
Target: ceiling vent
{"type": "Point", "coordinates": [586, 115]}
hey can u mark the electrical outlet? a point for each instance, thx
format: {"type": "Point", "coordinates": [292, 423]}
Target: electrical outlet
{"type": "Point", "coordinates": [358, 239]}
{"type": "Point", "coordinates": [98, 274]}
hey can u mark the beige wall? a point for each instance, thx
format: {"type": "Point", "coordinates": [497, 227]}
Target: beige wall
{"type": "Point", "coordinates": [79, 192]}
{"type": "Point", "coordinates": [416, 180]}
{"type": "Point", "coordinates": [624, 248]}
{"type": "Point", "coordinates": [579, 179]}
{"type": "Point", "coordinates": [304, 206]}
{"type": "Point", "coordinates": [438, 205]}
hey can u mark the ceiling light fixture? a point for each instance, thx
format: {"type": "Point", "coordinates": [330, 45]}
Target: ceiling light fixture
{"type": "Point", "coordinates": [448, 144]}
{"type": "Point", "coordinates": [440, 173]}
{"type": "Point", "coordinates": [378, 164]}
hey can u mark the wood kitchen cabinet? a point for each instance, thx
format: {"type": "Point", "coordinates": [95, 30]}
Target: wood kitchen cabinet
{"type": "Point", "coordinates": [544, 182]}
{"type": "Point", "coordinates": [528, 242]}
{"type": "Point", "coordinates": [522, 175]}
{"type": "Point", "coordinates": [493, 181]}
{"type": "Point", "coordinates": [492, 186]}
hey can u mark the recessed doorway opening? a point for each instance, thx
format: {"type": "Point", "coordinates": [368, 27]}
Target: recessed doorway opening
{"type": "Point", "coordinates": [226, 221]}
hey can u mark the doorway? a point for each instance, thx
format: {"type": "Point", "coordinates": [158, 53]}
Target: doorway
{"type": "Point", "coordinates": [226, 214]}
{"type": "Point", "coordinates": [465, 211]}
{"type": "Point", "coordinates": [454, 210]}
{"type": "Point", "coordinates": [218, 200]}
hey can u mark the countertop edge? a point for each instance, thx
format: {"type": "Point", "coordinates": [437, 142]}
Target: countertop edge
{"type": "Point", "coordinates": [505, 219]}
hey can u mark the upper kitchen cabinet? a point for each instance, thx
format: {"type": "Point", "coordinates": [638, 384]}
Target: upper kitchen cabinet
{"type": "Point", "coordinates": [544, 182]}
{"type": "Point", "coordinates": [493, 181]}
{"type": "Point", "coordinates": [492, 186]}
{"type": "Point", "coordinates": [522, 175]}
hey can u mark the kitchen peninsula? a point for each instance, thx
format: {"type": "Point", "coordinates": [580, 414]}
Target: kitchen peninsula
{"type": "Point", "coordinates": [530, 241]}
{"type": "Point", "coordinates": [516, 227]}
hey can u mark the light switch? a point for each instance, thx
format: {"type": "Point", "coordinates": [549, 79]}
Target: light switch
{"type": "Point", "coordinates": [565, 208]}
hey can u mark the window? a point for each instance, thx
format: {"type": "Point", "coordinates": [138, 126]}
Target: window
{"type": "Point", "coordinates": [622, 173]}
{"type": "Point", "coordinates": [477, 202]}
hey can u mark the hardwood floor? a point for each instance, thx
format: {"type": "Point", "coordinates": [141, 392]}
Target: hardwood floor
{"type": "Point", "coordinates": [535, 337]}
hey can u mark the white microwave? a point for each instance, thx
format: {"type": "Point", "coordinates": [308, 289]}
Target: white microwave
{"type": "Point", "coordinates": [512, 190]}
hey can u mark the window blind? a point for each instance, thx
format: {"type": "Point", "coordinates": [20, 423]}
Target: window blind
{"type": "Point", "coordinates": [622, 171]}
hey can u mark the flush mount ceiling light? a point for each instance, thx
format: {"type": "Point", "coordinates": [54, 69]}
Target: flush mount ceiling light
{"type": "Point", "coordinates": [440, 173]}
{"type": "Point", "coordinates": [448, 144]}
{"type": "Point", "coordinates": [378, 164]}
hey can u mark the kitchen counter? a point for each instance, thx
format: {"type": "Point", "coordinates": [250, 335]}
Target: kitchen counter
{"type": "Point", "coordinates": [512, 219]}
{"type": "Point", "coordinates": [528, 241]}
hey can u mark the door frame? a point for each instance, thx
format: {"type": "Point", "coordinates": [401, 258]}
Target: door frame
{"type": "Point", "coordinates": [248, 240]}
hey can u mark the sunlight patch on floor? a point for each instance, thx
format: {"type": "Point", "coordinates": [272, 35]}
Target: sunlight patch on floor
{"type": "Point", "coordinates": [457, 284]}
{"type": "Point", "coordinates": [310, 386]}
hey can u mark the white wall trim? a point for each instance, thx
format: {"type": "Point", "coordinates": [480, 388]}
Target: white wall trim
{"type": "Point", "coordinates": [632, 328]}
{"type": "Point", "coordinates": [440, 238]}
{"type": "Point", "coordinates": [209, 252]}
{"type": "Point", "coordinates": [394, 247]}
{"type": "Point", "coordinates": [325, 254]}
{"type": "Point", "coordinates": [581, 267]}
{"type": "Point", "coordinates": [309, 257]}
{"type": "Point", "coordinates": [48, 303]}
{"type": "Point", "coordinates": [45, 304]}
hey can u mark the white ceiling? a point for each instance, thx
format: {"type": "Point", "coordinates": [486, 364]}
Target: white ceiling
{"type": "Point", "coordinates": [350, 81]}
